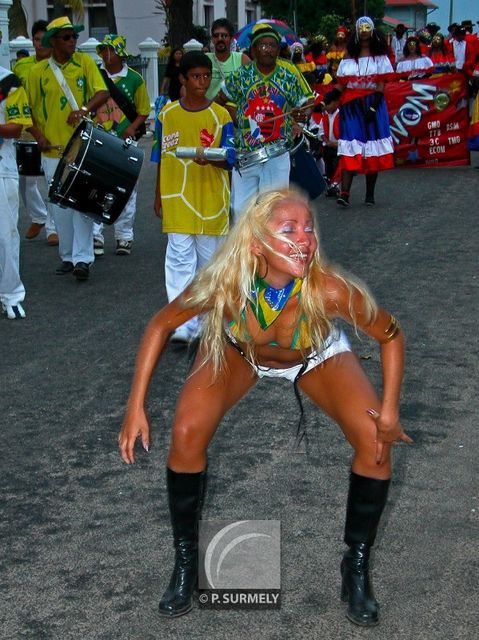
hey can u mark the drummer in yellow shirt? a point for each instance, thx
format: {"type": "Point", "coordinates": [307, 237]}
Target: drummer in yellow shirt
{"type": "Point", "coordinates": [40, 214]}
{"type": "Point", "coordinates": [55, 115]}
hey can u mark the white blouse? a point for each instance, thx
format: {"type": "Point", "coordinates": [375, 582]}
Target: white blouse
{"type": "Point", "coordinates": [364, 73]}
{"type": "Point", "coordinates": [415, 67]}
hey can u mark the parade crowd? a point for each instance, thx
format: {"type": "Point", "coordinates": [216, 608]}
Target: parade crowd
{"type": "Point", "coordinates": [328, 93]}
{"type": "Point", "coordinates": [316, 131]}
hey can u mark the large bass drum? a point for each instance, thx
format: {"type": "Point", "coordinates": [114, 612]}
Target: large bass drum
{"type": "Point", "coordinates": [96, 174]}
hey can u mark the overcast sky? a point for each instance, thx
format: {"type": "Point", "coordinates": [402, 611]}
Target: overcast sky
{"type": "Point", "coordinates": [462, 10]}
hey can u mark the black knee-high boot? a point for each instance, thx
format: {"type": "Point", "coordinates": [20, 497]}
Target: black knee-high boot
{"type": "Point", "coordinates": [185, 494]}
{"type": "Point", "coordinates": [366, 501]}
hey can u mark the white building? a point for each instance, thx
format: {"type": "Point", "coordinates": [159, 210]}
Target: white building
{"type": "Point", "coordinates": [140, 19]}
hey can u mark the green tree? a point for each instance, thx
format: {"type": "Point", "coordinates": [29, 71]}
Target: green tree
{"type": "Point", "coordinates": [68, 7]}
{"type": "Point", "coordinates": [178, 20]}
{"type": "Point", "coordinates": [310, 12]}
{"type": "Point", "coordinates": [18, 18]}
{"type": "Point", "coordinates": [111, 18]}
{"type": "Point", "coordinates": [328, 25]}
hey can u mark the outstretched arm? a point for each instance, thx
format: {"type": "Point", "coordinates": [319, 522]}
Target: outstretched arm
{"type": "Point", "coordinates": [152, 344]}
{"type": "Point", "coordinates": [387, 331]}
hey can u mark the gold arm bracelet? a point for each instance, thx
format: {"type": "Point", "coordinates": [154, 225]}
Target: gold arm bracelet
{"type": "Point", "coordinates": [393, 329]}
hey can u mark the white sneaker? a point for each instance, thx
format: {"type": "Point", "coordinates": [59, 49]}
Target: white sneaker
{"type": "Point", "coordinates": [181, 335]}
{"type": "Point", "coordinates": [98, 247]}
{"type": "Point", "coordinates": [123, 247]}
{"type": "Point", "coordinates": [14, 311]}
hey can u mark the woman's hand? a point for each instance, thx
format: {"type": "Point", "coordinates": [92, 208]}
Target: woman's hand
{"type": "Point", "coordinates": [389, 431]}
{"type": "Point", "coordinates": [135, 425]}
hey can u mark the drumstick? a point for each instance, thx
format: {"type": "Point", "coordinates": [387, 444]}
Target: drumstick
{"type": "Point", "coordinates": [288, 113]}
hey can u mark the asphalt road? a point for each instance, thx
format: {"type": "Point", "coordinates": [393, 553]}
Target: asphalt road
{"type": "Point", "coordinates": [86, 546]}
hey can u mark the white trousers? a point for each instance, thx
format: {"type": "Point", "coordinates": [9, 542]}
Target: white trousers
{"type": "Point", "coordinates": [75, 230]}
{"type": "Point", "coordinates": [12, 290]}
{"type": "Point", "coordinates": [185, 254]}
{"type": "Point", "coordinates": [34, 203]}
{"type": "Point", "coordinates": [272, 174]}
{"type": "Point", "coordinates": [124, 224]}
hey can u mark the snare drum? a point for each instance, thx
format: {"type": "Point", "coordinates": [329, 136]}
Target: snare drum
{"type": "Point", "coordinates": [96, 174]}
{"type": "Point", "coordinates": [29, 158]}
{"type": "Point", "coordinates": [262, 154]}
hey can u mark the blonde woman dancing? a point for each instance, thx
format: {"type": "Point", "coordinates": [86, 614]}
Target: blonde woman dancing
{"type": "Point", "coordinates": [270, 302]}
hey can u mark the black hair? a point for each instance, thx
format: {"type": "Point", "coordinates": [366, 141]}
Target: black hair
{"type": "Point", "coordinates": [406, 46]}
{"type": "Point", "coordinates": [442, 48]}
{"type": "Point", "coordinates": [194, 59]}
{"type": "Point", "coordinates": [223, 23]}
{"type": "Point", "coordinates": [378, 45]}
{"type": "Point", "coordinates": [331, 96]}
{"type": "Point", "coordinates": [310, 77]}
{"type": "Point", "coordinates": [39, 25]}
{"type": "Point", "coordinates": [171, 60]}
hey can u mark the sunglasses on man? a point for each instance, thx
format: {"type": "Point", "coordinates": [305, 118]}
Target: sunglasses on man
{"type": "Point", "coordinates": [68, 36]}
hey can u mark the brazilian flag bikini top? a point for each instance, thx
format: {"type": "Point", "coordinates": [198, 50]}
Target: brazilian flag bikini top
{"type": "Point", "coordinates": [268, 303]}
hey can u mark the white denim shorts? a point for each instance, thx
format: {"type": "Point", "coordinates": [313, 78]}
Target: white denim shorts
{"type": "Point", "coordinates": [336, 342]}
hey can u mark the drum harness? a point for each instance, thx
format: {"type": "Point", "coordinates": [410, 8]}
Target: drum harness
{"type": "Point", "coordinates": [57, 72]}
{"type": "Point", "coordinates": [124, 103]}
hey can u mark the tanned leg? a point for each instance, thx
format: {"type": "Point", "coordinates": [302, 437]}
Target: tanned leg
{"type": "Point", "coordinates": [343, 390]}
{"type": "Point", "coordinates": [201, 405]}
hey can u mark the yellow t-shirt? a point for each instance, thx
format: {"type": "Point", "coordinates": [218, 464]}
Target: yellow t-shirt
{"type": "Point", "coordinates": [195, 199]}
{"type": "Point", "coordinates": [23, 67]}
{"type": "Point", "coordinates": [50, 107]}
{"type": "Point", "coordinates": [14, 109]}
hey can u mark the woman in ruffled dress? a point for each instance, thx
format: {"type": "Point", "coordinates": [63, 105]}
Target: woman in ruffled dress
{"type": "Point", "coordinates": [441, 55]}
{"type": "Point", "coordinates": [365, 144]}
{"type": "Point", "coordinates": [414, 64]}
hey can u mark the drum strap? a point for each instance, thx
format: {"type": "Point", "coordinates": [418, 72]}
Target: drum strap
{"type": "Point", "coordinates": [57, 72]}
{"type": "Point", "coordinates": [124, 103]}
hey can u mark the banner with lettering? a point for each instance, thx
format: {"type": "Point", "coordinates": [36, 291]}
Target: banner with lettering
{"type": "Point", "coordinates": [429, 121]}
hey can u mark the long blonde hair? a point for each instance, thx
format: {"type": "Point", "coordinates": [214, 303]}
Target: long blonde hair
{"type": "Point", "coordinates": [225, 286]}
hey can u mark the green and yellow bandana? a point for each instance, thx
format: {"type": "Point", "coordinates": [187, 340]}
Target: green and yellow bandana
{"type": "Point", "coordinates": [269, 302]}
